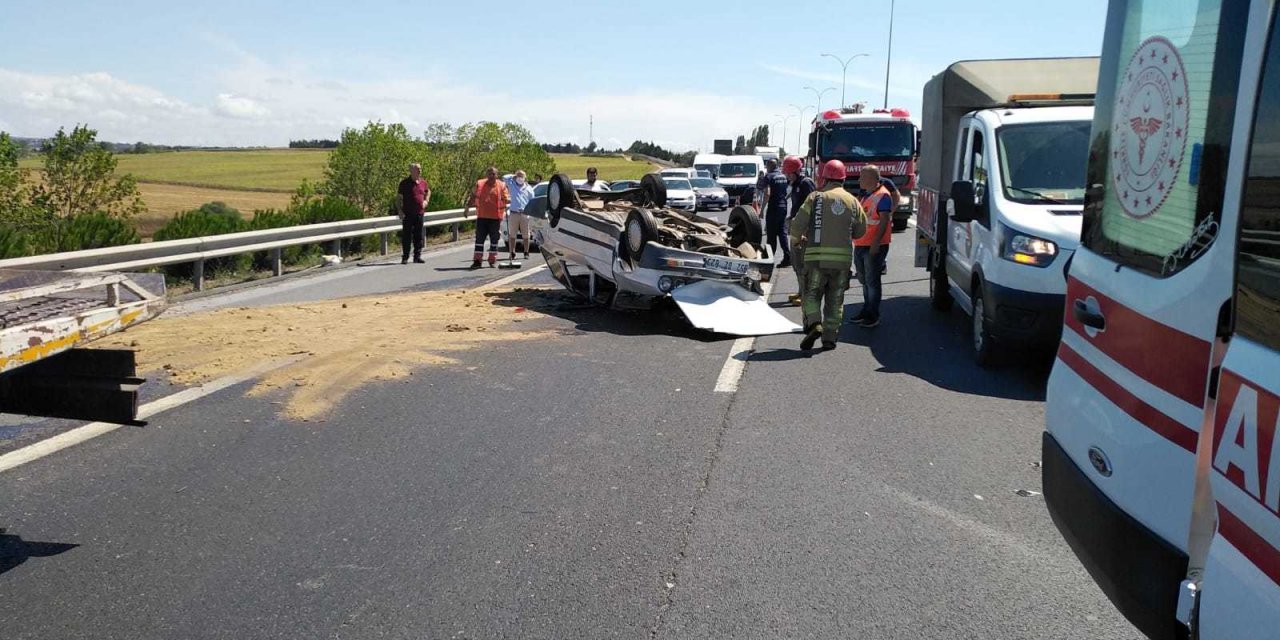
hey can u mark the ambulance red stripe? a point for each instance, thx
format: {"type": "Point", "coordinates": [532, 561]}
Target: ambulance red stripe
{"type": "Point", "coordinates": [1151, 417]}
{"type": "Point", "coordinates": [1173, 360]}
{"type": "Point", "coordinates": [1249, 543]}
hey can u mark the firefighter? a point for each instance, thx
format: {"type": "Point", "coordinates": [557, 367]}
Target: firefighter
{"type": "Point", "coordinates": [801, 187]}
{"type": "Point", "coordinates": [826, 225]}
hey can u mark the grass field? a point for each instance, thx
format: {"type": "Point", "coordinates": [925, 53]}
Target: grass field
{"type": "Point", "coordinates": [260, 179]}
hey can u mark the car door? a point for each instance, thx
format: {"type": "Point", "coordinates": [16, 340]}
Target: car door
{"type": "Point", "coordinates": [1146, 293]}
{"type": "Point", "coordinates": [963, 242]}
{"type": "Point", "coordinates": [1241, 586]}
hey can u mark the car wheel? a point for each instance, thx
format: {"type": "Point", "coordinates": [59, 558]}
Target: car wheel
{"type": "Point", "coordinates": [639, 230]}
{"type": "Point", "coordinates": [939, 289]}
{"type": "Point", "coordinates": [655, 191]}
{"type": "Point", "coordinates": [744, 226]}
{"type": "Point", "coordinates": [559, 195]}
{"type": "Point", "coordinates": [984, 348]}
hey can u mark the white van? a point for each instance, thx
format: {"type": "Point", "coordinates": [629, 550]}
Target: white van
{"type": "Point", "coordinates": [1002, 190]}
{"type": "Point", "coordinates": [709, 162]}
{"type": "Point", "coordinates": [678, 172]}
{"type": "Point", "coordinates": [739, 172]}
{"type": "Point", "coordinates": [1160, 457]}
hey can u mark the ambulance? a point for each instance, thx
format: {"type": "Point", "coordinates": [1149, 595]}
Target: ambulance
{"type": "Point", "coordinates": [1160, 458]}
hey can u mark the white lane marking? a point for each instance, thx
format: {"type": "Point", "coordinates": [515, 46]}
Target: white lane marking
{"type": "Point", "coordinates": [736, 364]}
{"type": "Point", "coordinates": [511, 278]}
{"type": "Point", "coordinates": [92, 430]}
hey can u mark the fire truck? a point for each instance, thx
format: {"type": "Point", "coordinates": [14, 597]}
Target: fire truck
{"type": "Point", "coordinates": [887, 139]}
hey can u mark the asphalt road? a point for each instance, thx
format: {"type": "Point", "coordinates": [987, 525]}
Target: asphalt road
{"type": "Point", "coordinates": [587, 484]}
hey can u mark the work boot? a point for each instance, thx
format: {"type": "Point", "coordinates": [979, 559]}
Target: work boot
{"type": "Point", "coordinates": [862, 315]}
{"type": "Point", "coordinates": [794, 298]}
{"type": "Point", "coordinates": [869, 323]}
{"type": "Point", "coordinates": [419, 260]}
{"type": "Point", "coordinates": [811, 337]}
{"type": "Point", "coordinates": [786, 262]}
{"type": "Point", "coordinates": [828, 345]}
{"type": "Point", "coordinates": [404, 261]}
{"type": "Point", "coordinates": [475, 264]}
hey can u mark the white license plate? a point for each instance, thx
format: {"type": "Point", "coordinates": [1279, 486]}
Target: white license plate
{"type": "Point", "coordinates": [732, 266]}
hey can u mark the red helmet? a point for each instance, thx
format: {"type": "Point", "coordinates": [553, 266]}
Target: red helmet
{"type": "Point", "coordinates": [833, 170]}
{"type": "Point", "coordinates": [792, 164]}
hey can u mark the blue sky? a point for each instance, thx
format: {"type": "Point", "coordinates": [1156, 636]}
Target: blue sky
{"type": "Point", "coordinates": [235, 72]}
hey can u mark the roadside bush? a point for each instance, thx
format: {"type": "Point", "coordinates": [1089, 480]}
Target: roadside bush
{"type": "Point", "coordinates": [14, 243]}
{"type": "Point", "coordinates": [333, 209]}
{"type": "Point", "coordinates": [95, 231]}
{"type": "Point", "coordinates": [275, 219]}
{"type": "Point", "coordinates": [211, 219]}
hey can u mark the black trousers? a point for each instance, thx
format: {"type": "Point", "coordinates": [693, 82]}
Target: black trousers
{"type": "Point", "coordinates": [775, 228]}
{"type": "Point", "coordinates": [411, 235]}
{"type": "Point", "coordinates": [487, 228]}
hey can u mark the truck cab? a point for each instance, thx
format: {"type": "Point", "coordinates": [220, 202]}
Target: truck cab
{"type": "Point", "coordinates": [1160, 457]}
{"type": "Point", "coordinates": [887, 139]}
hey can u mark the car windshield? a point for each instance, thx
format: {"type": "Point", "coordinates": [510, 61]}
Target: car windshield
{"type": "Point", "coordinates": [738, 170]}
{"type": "Point", "coordinates": [677, 183]}
{"type": "Point", "coordinates": [703, 183]}
{"type": "Point", "coordinates": [1044, 162]}
{"type": "Point", "coordinates": [870, 142]}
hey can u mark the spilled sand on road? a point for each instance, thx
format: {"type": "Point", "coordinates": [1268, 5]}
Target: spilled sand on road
{"type": "Point", "coordinates": [340, 344]}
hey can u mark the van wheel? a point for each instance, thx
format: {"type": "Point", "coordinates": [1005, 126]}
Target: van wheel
{"type": "Point", "coordinates": [984, 348]}
{"type": "Point", "coordinates": [939, 289]}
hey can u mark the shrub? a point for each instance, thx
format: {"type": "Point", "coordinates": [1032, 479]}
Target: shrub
{"type": "Point", "coordinates": [209, 220]}
{"type": "Point", "coordinates": [275, 219]}
{"type": "Point", "coordinates": [333, 209]}
{"type": "Point", "coordinates": [14, 243]}
{"type": "Point", "coordinates": [95, 231]}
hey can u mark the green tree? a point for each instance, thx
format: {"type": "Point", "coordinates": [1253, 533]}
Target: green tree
{"type": "Point", "coordinates": [461, 155]}
{"type": "Point", "coordinates": [15, 188]}
{"type": "Point", "coordinates": [79, 177]}
{"type": "Point", "coordinates": [369, 163]}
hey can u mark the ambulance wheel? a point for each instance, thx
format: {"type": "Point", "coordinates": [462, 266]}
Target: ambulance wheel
{"type": "Point", "coordinates": [640, 230]}
{"type": "Point", "coordinates": [984, 348]}
{"type": "Point", "coordinates": [744, 226]}
{"type": "Point", "coordinates": [939, 290]}
{"type": "Point", "coordinates": [654, 189]}
{"type": "Point", "coordinates": [560, 194]}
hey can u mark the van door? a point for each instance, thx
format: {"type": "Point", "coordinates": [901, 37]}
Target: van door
{"type": "Point", "coordinates": [1145, 295]}
{"type": "Point", "coordinates": [1241, 585]}
{"type": "Point", "coordinates": [967, 236]}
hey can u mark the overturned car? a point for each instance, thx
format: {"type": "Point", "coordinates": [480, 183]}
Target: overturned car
{"type": "Point", "coordinates": [627, 249]}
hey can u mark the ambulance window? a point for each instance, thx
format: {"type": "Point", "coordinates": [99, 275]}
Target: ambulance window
{"type": "Point", "coordinates": [1258, 272]}
{"type": "Point", "coordinates": [1161, 131]}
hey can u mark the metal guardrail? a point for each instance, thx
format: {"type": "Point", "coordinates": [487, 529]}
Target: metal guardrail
{"type": "Point", "coordinates": [197, 250]}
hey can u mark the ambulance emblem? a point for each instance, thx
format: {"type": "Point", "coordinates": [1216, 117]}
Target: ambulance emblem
{"type": "Point", "coordinates": [1149, 133]}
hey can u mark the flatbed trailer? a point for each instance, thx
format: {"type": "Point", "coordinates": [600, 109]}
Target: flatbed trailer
{"type": "Point", "coordinates": [45, 319]}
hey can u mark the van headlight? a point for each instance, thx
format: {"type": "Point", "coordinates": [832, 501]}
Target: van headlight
{"type": "Point", "coordinates": [1027, 249]}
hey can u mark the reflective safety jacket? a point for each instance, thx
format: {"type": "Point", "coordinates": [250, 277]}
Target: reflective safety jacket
{"type": "Point", "coordinates": [830, 219]}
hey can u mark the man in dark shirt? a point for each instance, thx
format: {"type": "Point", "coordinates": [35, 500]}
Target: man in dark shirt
{"type": "Point", "coordinates": [801, 187]}
{"type": "Point", "coordinates": [412, 198]}
{"type": "Point", "coordinates": [775, 211]}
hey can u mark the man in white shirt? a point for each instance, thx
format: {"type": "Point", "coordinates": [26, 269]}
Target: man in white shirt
{"type": "Point", "coordinates": [517, 219]}
{"type": "Point", "coordinates": [592, 184]}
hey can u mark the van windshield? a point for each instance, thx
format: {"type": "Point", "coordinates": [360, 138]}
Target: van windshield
{"type": "Point", "coordinates": [1044, 162]}
{"type": "Point", "coordinates": [713, 169]}
{"type": "Point", "coordinates": [869, 142]}
{"type": "Point", "coordinates": [738, 170]}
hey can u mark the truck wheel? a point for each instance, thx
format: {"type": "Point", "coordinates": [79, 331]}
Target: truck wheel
{"type": "Point", "coordinates": [638, 232]}
{"type": "Point", "coordinates": [744, 226]}
{"type": "Point", "coordinates": [984, 348]}
{"type": "Point", "coordinates": [655, 190]}
{"type": "Point", "coordinates": [560, 194]}
{"type": "Point", "coordinates": [939, 290]}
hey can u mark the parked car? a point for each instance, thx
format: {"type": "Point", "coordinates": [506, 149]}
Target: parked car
{"type": "Point", "coordinates": [628, 249]}
{"type": "Point", "coordinates": [710, 194]}
{"type": "Point", "coordinates": [680, 193]}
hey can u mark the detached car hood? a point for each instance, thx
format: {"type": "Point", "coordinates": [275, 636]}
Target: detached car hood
{"type": "Point", "coordinates": [724, 307]}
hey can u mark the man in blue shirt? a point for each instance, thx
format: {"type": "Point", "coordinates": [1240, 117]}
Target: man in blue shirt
{"type": "Point", "coordinates": [801, 187]}
{"type": "Point", "coordinates": [775, 211]}
{"type": "Point", "coordinates": [517, 220]}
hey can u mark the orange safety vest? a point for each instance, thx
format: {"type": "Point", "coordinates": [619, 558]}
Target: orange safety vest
{"type": "Point", "coordinates": [491, 200]}
{"type": "Point", "coordinates": [869, 205]}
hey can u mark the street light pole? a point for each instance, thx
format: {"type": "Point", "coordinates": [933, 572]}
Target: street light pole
{"type": "Point", "coordinates": [844, 70]}
{"type": "Point", "coordinates": [818, 95]}
{"type": "Point", "coordinates": [784, 118]}
{"type": "Point", "coordinates": [800, 128]}
{"type": "Point", "coordinates": [889, 56]}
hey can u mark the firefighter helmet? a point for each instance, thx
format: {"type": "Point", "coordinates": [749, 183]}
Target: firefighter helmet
{"type": "Point", "coordinates": [833, 170]}
{"type": "Point", "coordinates": [792, 164]}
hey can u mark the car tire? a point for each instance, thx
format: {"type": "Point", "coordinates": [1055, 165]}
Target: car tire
{"type": "Point", "coordinates": [939, 288]}
{"type": "Point", "coordinates": [744, 226]}
{"type": "Point", "coordinates": [655, 191]}
{"type": "Point", "coordinates": [639, 230]}
{"type": "Point", "coordinates": [984, 348]}
{"type": "Point", "coordinates": [560, 194]}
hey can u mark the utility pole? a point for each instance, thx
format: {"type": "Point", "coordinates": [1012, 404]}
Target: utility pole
{"type": "Point", "coordinates": [844, 73]}
{"type": "Point", "coordinates": [888, 57]}
{"type": "Point", "coordinates": [591, 129]}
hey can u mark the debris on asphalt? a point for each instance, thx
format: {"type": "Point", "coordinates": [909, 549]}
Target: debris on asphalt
{"type": "Point", "coordinates": [1027, 493]}
{"type": "Point", "coordinates": [978, 497]}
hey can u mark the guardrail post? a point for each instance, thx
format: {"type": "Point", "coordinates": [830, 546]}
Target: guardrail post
{"type": "Point", "coordinates": [277, 261]}
{"type": "Point", "coordinates": [456, 229]}
{"type": "Point", "coordinates": [337, 247]}
{"type": "Point", "coordinates": [197, 274]}
{"type": "Point", "coordinates": [385, 241]}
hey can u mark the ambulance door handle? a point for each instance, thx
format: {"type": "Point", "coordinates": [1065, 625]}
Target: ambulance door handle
{"type": "Point", "coordinates": [1088, 317]}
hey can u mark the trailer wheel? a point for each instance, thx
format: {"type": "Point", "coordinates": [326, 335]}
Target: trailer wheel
{"type": "Point", "coordinates": [744, 226]}
{"type": "Point", "coordinates": [639, 231]}
{"type": "Point", "coordinates": [655, 190]}
{"type": "Point", "coordinates": [560, 194]}
{"type": "Point", "coordinates": [939, 291]}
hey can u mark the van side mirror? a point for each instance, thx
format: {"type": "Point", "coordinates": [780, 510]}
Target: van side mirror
{"type": "Point", "coordinates": [964, 201]}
